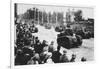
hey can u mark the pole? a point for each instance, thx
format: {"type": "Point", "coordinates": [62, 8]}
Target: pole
{"type": "Point", "coordinates": [38, 17]}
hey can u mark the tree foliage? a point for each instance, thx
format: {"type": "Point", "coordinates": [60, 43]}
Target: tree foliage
{"type": "Point", "coordinates": [78, 15]}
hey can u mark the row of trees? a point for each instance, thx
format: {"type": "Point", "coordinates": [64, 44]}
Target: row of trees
{"type": "Point", "coordinates": [55, 17]}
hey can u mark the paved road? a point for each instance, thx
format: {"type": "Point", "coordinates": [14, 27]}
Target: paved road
{"type": "Point", "coordinates": [86, 50]}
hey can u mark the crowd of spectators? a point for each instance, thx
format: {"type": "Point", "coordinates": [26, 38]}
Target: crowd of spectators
{"type": "Point", "coordinates": [30, 50]}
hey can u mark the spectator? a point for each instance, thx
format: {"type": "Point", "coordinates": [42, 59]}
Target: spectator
{"type": "Point", "coordinates": [73, 58]}
{"type": "Point", "coordinates": [19, 58]}
{"type": "Point", "coordinates": [51, 47]}
{"type": "Point", "coordinates": [68, 31]}
{"type": "Point", "coordinates": [34, 60]}
{"type": "Point", "coordinates": [43, 55]}
{"type": "Point", "coordinates": [83, 59]}
{"type": "Point", "coordinates": [64, 57]}
{"type": "Point", "coordinates": [56, 56]}
{"type": "Point", "coordinates": [49, 59]}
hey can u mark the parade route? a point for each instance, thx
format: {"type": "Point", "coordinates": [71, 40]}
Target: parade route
{"type": "Point", "coordinates": [86, 50]}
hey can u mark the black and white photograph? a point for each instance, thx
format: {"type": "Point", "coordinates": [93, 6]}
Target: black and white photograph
{"type": "Point", "coordinates": [52, 34]}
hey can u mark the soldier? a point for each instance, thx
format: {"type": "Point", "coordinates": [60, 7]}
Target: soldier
{"type": "Point", "coordinates": [68, 31]}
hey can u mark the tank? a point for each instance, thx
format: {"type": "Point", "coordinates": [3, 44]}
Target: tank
{"type": "Point", "coordinates": [69, 41]}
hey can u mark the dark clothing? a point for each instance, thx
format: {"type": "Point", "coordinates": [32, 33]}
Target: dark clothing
{"type": "Point", "coordinates": [56, 56]}
{"type": "Point", "coordinates": [38, 48]}
{"type": "Point", "coordinates": [26, 50]}
{"type": "Point", "coordinates": [69, 32]}
{"type": "Point", "coordinates": [21, 59]}
{"type": "Point", "coordinates": [72, 60]}
{"type": "Point", "coordinates": [64, 58]}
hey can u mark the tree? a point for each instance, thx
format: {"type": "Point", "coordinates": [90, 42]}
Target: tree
{"type": "Point", "coordinates": [36, 12]}
{"type": "Point", "coordinates": [60, 17]}
{"type": "Point", "coordinates": [68, 17]}
{"type": "Point", "coordinates": [49, 14]}
{"type": "Point", "coordinates": [40, 16]}
{"type": "Point", "coordinates": [78, 15]}
{"type": "Point", "coordinates": [31, 14]}
{"type": "Point", "coordinates": [54, 17]}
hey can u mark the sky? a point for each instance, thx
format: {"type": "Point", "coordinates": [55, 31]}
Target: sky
{"type": "Point", "coordinates": [88, 12]}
